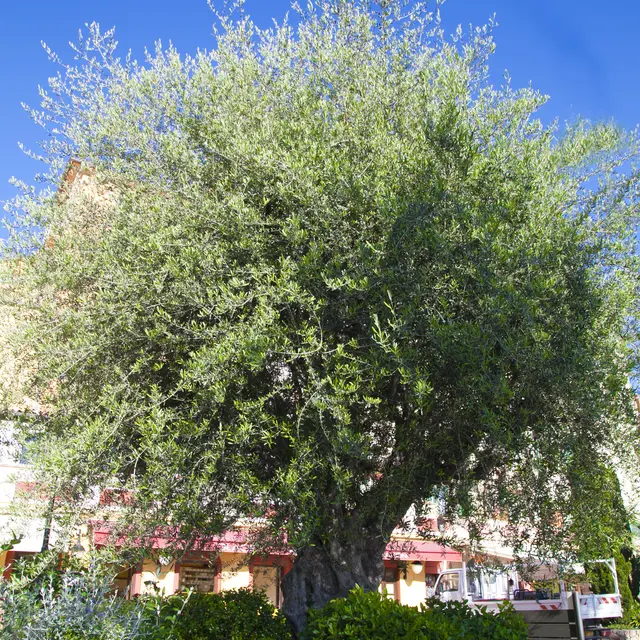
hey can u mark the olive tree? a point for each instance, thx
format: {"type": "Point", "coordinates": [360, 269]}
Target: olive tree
{"type": "Point", "coordinates": [326, 273]}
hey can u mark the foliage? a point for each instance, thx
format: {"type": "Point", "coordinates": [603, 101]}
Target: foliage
{"type": "Point", "coordinates": [319, 274]}
{"type": "Point", "coordinates": [373, 616]}
{"type": "Point", "coordinates": [82, 607]}
{"type": "Point", "coordinates": [453, 618]}
{"type": "Point", "coordinates": [364, 615]}
{"type": "Point", "coordinates": [601, 582]}
{"type": "Point", "coordinates": [602, 530]}
{"type": "Point", "coordinates": [630, 605]}
{"type": "Point", "coordinates": [48, 603]}
{"type": "Point", "coordinates": [75, 600]}
{"type": "Point", "coordinates": [600, 527]}
{"type": "Point", "coordinates": [236, 615]}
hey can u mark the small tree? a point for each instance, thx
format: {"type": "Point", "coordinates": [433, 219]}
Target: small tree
{"type": "Point", "coordinates": [329, 272]}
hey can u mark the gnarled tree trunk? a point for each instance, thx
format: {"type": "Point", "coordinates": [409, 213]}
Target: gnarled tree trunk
{"type": "Point", "coordinates": [324, 572]}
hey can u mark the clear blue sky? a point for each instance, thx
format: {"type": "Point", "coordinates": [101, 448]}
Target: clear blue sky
{"type": "Point", "coordinates": [583, 53]}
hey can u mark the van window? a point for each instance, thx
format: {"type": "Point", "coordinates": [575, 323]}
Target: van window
{"type": "Point", "coordinates": [473, 587]}
{"type": "Point", "coordinates": [448, 582]}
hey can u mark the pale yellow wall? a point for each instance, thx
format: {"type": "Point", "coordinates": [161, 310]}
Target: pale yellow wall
{"type": "Point", "coordinates": [412, 589]}
{"type": "Point", "coordinates": [165, 581]}
{"type": "Point", "coordinates": [235, 575]}
{"type": "Point", "coordinates": [235, 572]}
{"type": "Point", "coordinates": [389, 588]}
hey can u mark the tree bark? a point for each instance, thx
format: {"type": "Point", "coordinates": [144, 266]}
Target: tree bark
{"type": "Point", "coordinates": [321, 573]}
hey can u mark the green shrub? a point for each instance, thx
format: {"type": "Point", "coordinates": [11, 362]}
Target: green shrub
{"type": "Point", "coordinates": [457, 620]}
{"type": "Point", "coordinates": [232, 615]}
{"type": "Point", "coordinates": [44, 602]}
{"type": "Point", "coordinates": [372, 616]}
{"type": "Point", "coordinates": [361, 615]}
{"type": "Point", "coordinates": [630, 606]}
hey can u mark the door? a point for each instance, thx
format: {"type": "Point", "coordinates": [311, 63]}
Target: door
{"type": "Point", "coordinates": [267, 579]}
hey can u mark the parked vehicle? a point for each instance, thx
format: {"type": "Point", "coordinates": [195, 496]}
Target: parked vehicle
{"type": "Point", "coordinates": [488, 587]}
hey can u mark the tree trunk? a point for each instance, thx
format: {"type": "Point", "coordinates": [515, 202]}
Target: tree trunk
{"type": "Point", "coordinates": [321, 573]}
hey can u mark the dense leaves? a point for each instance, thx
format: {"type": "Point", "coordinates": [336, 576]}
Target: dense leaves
{"type": "Point", "coordinates": [48, 602]}
{"type": "Point", "coordinates": [237, 615]}
{"type": "Point", "coordinates": [321, 274]}
{"type": "Point", "coordinates": [373, 616]}
{"type": "Point", "coordinates": [82, 607]}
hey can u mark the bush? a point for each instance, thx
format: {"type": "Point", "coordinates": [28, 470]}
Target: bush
{"type": "Point", "coordinates": [43, 602]}
{"type": "Point", "coordinates": [458, 620]}
{"type": "Point", "coordinates": [232, 615]}
{"type": "Point", "coordinates": [372, 616]}
{"type": "Point", "coordinates": [369, 616]}
{"type": "Point", "coordinates": [73, 604]}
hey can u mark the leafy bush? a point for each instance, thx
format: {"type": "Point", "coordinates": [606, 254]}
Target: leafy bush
{"type": "Point", "coordinates": [372, 616]}
{"type": "Point", "coordinates": [456, 620]}
{"type": "Point", "coordinates": [367, 616]}
{"type": "Point", "coordinates": [43, 602]}
{"type": "Point", "coordinates": [232, 615]}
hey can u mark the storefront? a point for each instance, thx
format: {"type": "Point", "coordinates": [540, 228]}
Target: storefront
{"type": "Point", "coordinates": [228, 562]}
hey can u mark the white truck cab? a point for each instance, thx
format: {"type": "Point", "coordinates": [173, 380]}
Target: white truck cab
{"type": "Point", "coordinates": [488, 587]}
{"type": "Point", "coordinates": [465, 585]}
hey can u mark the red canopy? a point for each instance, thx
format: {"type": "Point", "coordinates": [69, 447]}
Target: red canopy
{"type": "Point", "coordinates": [399, 549]}
{"type": "Point", "coordinates": [237, 541]}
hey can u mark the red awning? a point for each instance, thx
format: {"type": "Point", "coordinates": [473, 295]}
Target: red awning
{"type": "Point", "coordinates": [228, 542]}
{"type": "Point", "coordinates": [238, 542]}
{"type": "Point", "coordinates": [420, 550]}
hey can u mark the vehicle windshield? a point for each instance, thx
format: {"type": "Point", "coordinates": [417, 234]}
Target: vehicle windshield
{"type": "Point", "coordinates": [448, 582]}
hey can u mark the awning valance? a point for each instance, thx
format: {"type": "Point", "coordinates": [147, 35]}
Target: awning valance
{"type": "Point", "coordinates": [405, 549]}
{"type": "Point", "coordinates": [237, 541]}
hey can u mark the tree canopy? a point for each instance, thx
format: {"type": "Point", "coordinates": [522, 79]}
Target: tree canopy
{"type": "Point", "coordinates": [324, 273]}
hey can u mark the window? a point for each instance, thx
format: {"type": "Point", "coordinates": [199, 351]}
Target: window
{"type": "Point", "coordinates": [473, 586]}
{"type": "Point", "coordinates": [199, 577]}
{"type": "Point", "coordinates": [449, 582]}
